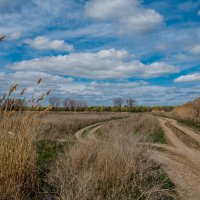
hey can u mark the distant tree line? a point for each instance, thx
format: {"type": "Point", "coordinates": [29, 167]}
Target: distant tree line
{"type": "Point", "coordinates": [12, 104]}
{"type": "Point", "coordinates": [69, 104]}
{"type": "Point", "coordinates": [119, 105]}
{"type": "Point", "coordinates": [73, 105]}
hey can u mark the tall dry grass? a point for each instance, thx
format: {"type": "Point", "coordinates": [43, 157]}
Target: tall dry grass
{"type": "Point", "coordinates": [17, 156]}
{"type": "Point", "coordinates": [189, 111]}
{"type": "Point", "coordinates": [116, 169]}
{"type": "Point", "coordinates": [18, 139]}
{"type": "Point", "coordinates": [60, 125]}
{"type": "Point", "coordinates": [141, 125]}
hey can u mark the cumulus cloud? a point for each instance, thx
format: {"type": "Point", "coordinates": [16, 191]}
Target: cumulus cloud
{"type": "Point", "coordinates": [30, 16]}
{"type": "Point", "coordinates": [44, 43]}
{"type": "Point", "coordinates": [188, 78]}
{"type": "Point", "coordinates": [196, 49]}
{"type": "Point", "coordinates": [30, 78]}
{"type": "Point", "coordinates": [105, 64]}
{"type": "Point", "coordinates": [98, 92]}
{"type": "Point", "coordinates": [128, 16]}
{"type": "Point", "coordinates": [14, 35]}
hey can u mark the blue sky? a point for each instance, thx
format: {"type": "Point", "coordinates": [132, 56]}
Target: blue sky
{"type": "Point", "coordinates": [100, 49]}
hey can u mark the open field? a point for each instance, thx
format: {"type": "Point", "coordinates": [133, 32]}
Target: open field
{"type": "Point", "coordinates": [89, 155]}
{"type": "Point", "coordinates": [52, 141]}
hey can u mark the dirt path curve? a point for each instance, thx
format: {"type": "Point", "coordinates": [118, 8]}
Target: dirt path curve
{"type": "Point", "coordinates": [79, 134]}
{"type": "Point", "coordinates": [92, 133]}
{"type": "Point", "coordinates": [192, 133]}
{"type": "Point", "coordinates": [181, 162]}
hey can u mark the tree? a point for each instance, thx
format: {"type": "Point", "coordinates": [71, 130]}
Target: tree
{"type": "Point", "coordinates": [118, 102]}
{"type": "Point", "coordinates": [19, 104]}
{"type": "Point", "coordinates": [70, 104]}
{"type": "Point", "coordinates": [54, 102]}
{"type": "Point", "coordinates": [82, 105]}
{"type": "Point", "coordinates": [131, 102]}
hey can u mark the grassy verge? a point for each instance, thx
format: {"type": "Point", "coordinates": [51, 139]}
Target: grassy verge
{"type": "Point", "coordinates": [157, 137]}
{"type": "Point", "coordinates": [191, 124]}
{"type": "Point", "coordinates": [47, 152]}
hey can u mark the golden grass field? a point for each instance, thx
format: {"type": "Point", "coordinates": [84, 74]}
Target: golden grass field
{"type": "Point", "coordinates": [41, 158]}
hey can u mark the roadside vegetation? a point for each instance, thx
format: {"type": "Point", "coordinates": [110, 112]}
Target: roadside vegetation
{"type": "Point", "coordinates": [188, 113]}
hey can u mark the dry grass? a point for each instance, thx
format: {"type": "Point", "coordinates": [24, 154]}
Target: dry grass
{"type": "Point", "coordinates": [61, 125]}
{"type": "Point", "coordinates": [141, 124]}
{"type": "Point", "coordinates": [189, 112]}
{"type": "Point", "coordinates": [17, 156]}
{"type": "Point", "coordinates": [57, 135]}
{"type": "Point", "coordinates": [115, 169]}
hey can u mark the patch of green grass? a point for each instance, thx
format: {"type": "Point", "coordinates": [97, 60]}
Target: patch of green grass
{"type": "Point", "coordinates": [157, 137]}
{"type": "Point", "coordinates": [192, 124]}
{"type": "Point", "coordinates": [47, 152]}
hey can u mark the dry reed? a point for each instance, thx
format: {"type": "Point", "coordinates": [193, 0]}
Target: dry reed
{"type": "Point", "coordinates": [17, 155]}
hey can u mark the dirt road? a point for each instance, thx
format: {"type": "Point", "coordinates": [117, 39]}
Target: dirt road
{"type": "Point", "coordinates": [89, 129]}
{"type": "Point", "coordinates": [179, 160]}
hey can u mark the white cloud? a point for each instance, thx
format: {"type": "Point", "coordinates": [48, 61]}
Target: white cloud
{"type": "Point", "coordinates": [35, 15]}
{"type": "Point", "coordinates": [31, 77]}
{"type": "Point", "coordinates": [29, 81]}
{"type": "Point", "coordinates": [128, 16]}
{"type": "Point", "coordinates": [42, 42]}
{"type": "Point", "coordinates": [196, 49]}
{"type": "Point", "coordinates": [198, 13]}
{"type": "Point", "coordinates": [14, 35]}
{"type": "Point", "coordinates": [98, 92]}
{"type": "Point", "coordinates": [105, 64]}
{"type": "Point", "coordinates": [188, 78]}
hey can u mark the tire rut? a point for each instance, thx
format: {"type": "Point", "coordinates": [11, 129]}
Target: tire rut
{"type": "Point", "coordinates": [91, 128]}
{"type": "Point", "coordinates": [180, 161]}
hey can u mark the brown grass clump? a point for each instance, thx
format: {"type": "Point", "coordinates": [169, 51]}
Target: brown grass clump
{"type": "Point", "coordinates": [17, 156]}
{"type": "Point", "coordinates": [141, 126]}
{"type": "Point", "coordinates": [189, 111]}
{"type": "Point", "coordinates": [115, 169]}
{"type": "Point", "coordinates": [18, 138]}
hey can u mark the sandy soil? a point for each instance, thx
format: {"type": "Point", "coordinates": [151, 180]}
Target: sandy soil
{"type": "Point", "coordinates": [181, 162]}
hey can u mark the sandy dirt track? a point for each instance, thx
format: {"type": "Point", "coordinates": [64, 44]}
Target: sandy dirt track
{"type": "Point", "coordinates": [181, 162]}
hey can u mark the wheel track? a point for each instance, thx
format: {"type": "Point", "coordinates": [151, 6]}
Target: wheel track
{"type": "Point", "coordinates": [78, 134]}
{"type": "Point", "coordinates": [181, 162]}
